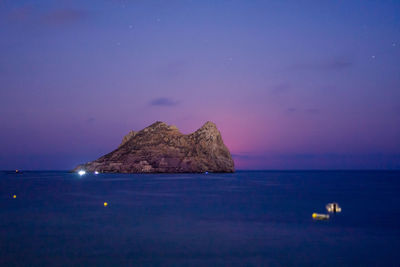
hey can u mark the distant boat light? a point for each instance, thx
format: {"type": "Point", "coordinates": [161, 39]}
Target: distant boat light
{"type": "Point", "coordinates": [81, 172]}
{"type": "Point", "coordinates": [96, 172]}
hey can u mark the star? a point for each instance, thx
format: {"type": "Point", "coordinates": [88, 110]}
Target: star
{"type": "Point", "coordinates": [373, 57]}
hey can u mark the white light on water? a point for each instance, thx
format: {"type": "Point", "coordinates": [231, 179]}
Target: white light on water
{"type": "Point", "coordinates": [81, 172]}
{"type": "Point", "coordinates": [96, 172]}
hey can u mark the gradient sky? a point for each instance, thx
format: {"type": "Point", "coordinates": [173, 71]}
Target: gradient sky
{"type": "Point", "coordinates": [290, 84]}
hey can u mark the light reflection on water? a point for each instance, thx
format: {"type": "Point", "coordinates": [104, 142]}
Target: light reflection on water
{"type": "Point", "coordinates": [256, 218]}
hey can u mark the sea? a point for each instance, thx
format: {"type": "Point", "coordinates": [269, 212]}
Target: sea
{"type": "Point", "coordinates": [246, 218]}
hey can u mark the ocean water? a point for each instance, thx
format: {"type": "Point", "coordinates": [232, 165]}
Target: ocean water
{"type": "Point", "coordinates": [248, 218]}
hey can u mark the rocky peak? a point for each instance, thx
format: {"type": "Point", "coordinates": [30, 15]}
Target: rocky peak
{"type": "Point", "coordinates": [208, 131]}
{"type": "Point", "coordinates": [209, 125]}
{"type": "Point", "coordinates": [160, 126]}
{"type": "Point", "coordinates": [162, 148]}
{"type": "Point", "coordinates": [127, 137]}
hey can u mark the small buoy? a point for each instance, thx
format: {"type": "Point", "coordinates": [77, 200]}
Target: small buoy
{"type": "Point", "coordinates": [333, 207]}
{"type": "Point", "coordinates": [14, 196]}
{"type": "Point", "coordinates": [318, 216]}
{"type": "Point", "coordinates": [105, 204]}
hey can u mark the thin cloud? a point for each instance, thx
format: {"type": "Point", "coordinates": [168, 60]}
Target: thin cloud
{"type": "Point", "coordinates": [281, 88]}
{"type": "Point", "coordinates": [163, 101]}
{"type": "Point", "coordinates": [90, 120]}
{"type": "Point", "coordinates": [330, 65]}
{"type": "Point", "coordinates": [19, 14]}
{"type": "Point", "coordinates": [307, 110]}
{"type": "Point", "coordinates": [173, 68]}
{"type": "Point", "coordinates": [243, 156]}
{"type": "Point", "coordinates": [33, 15]}
{"type": "Point", "coordinates": [64, 16]}
{"type": "Point", "coordinates": [313, 110]}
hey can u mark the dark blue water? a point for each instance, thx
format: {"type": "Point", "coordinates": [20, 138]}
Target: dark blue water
{"type": "Point", "coordinates": [245, 218]}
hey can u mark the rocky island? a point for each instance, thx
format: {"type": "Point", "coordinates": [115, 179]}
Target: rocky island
{"type": "Point", "coordinates": [161, 148]}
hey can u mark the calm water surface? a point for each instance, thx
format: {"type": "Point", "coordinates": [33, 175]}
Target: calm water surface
{"type": "Point", "coordinates": [245, 218]}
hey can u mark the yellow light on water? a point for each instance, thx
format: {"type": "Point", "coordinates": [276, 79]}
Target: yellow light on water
{"type": "Point", "coordinates": [14, 196]}
{"type": "Point", "coordinates": [105, 204]}
{"type": "Point", "coordinates": [318, 216]}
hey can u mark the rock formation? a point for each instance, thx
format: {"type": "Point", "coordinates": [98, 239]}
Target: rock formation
{"type": "Point", "coordinates": [161, 148]}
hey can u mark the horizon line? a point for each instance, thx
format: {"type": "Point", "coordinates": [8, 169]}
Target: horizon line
{"type": "Point", "coordinates": [239, 170]}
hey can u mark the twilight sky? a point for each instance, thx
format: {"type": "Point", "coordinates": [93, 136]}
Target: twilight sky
{"type": "Point", "coordinates": [290, 84]}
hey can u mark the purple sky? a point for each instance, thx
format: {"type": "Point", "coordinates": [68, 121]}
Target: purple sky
{"type": "Point", "coordinates": [290, 84]}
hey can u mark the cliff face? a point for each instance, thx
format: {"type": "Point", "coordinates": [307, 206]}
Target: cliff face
{"type": "Point", "coordinates": [162, 148]}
